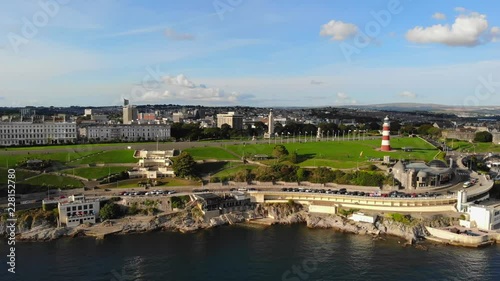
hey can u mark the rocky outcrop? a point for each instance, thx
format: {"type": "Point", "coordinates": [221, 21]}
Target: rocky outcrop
{"type": "Point", "coordinates": [39, 229]}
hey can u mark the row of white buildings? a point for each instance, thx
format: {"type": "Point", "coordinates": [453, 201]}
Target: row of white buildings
{"type": "Point", "coordinates": [40, 132]}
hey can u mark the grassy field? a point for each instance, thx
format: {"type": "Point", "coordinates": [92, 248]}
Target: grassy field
{"type": "Point", "coordinates": [480, 147]}
{"type": "Point", "coordinates": [12, 159]}
{"type": "Point", "coordinates": [234, 170]}
{"type": "Point", "coordinates": [343, 154]}
{"type": "Point", "coordinates": [20, 174]}
{"type": "Point", "coordinates": [54, 180]}
{"type": "Point", "coordinates": [204, 153]}
{"type": "Point", "coordinates": [112, 156]}
{"type": "Point", "coordinates": [95, 172]}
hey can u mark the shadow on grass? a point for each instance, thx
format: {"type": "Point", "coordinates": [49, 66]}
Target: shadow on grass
{"type": "Point", "coordinates": [210, 167]}
{"type": "Point", "coordinates": [303, 157]}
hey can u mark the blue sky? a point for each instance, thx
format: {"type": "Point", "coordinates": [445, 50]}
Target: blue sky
{"type": "Point", "coordinates": [242, 52]}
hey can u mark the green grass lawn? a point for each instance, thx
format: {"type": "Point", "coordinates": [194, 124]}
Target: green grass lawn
{"type": "Point", "coordinates": [112, 156]}
{"type": "Point", "coordinates": [12, 159]}
{"type": "Point", "coordinates": [95, 172]}
{"type": "Point", "coordinates": [234, 170]}
{"type": "Point", "coordinates": [343, 154]}
{"type": "Point", "coordinates": [479, 147]}
{"type": "Point", "coordinates": [211, 152]}
{"type": "Point", "coordinates": [53, 180]}
{"type": "Point", "coordinates": [20, 174]}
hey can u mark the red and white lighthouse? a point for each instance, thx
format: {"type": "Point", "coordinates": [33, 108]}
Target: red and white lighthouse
{"type": "Point", "coordinates": [386, 138]}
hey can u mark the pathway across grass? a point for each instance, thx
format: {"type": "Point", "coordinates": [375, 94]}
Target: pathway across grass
{"type": "Point", "coordinates": [53, 180]}
{"type": "Point", "coordinates": [112, 156]}
{"type": "Point", "coordinates": [95, 172]}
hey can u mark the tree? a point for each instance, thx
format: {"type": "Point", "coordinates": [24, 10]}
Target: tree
{"type": "Point", "coordinates": [294, 157]}
{"type": "Point", "coordinates": [301, 174]}
{"type": "Point", "coordinates": [184, 165]}
{"type": "Point", "coordinates": [280, 151]}
{"type": "Point", "coordinates": [483, 137]}
{"type": "Point", "coordinates": [110, 211]}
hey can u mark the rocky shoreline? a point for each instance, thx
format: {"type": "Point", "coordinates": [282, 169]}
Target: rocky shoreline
{"type": "Point", "coordinates": [189, 220]}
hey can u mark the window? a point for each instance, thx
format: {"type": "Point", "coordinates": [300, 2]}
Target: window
{"type": "Point", "coordinates": [79, 207]}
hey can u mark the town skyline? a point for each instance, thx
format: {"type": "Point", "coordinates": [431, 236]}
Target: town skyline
{"type": "Point", "coordinates": [249, 53]}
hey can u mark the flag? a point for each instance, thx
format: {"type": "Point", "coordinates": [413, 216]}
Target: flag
{"type": "Point", "coordinates": [361, 154]}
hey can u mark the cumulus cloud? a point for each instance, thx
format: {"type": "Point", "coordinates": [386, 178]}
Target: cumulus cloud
{"type": "Point", "coordinates": [314, 82]}
{"type": "Point", "coordinates": [495, 34]}
{"type": "Point", "coordinates": [408, 94]}
{"type": "Point", "coordinates": [343, 98]}
{"type": "Point", "coordinates": [338, 30]}
{"type": "Point", "coordinates": [439, 16]}
{"type": "Point", "coordinates": [180, 89]}
{"type": "Point", "coordinates": [174, 35]}
{"type": "Point", "coordinates": [467, 30]}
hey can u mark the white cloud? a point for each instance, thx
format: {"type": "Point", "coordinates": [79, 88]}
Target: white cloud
{"type": "Point", "coordinates": [180, 89]}
{"type": "Point", "coordinates": [460, 9]}
{"type": "Point", "coordinates": [495, 34]}
{"type": "Point", "coordinates": [467, 30]}
{"type": "Point", "coordinates": [338, 30]}
{"type": "Point", "coordinates": [314, 82]}
{"type": "Point", "coordinates": [408, 94]}
{"type": "Point", "coordinates": [343, 98]}
{"type": "Point", "coordinates": [439, 16]}
{"type": "Point", "coordinates": [174, 35]}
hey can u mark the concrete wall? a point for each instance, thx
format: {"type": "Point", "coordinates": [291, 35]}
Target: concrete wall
{"type": "Point", "coordinates": [359, 202]}
{"type": "Point", "coordinates": [457, 238]}
{"type": "Point", "coordinates": [322, 209]}
{"type": "Point", "coordinates": [466, 136]}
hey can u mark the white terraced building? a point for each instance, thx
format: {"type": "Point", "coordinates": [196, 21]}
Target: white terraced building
{"type": "Point", "coordinates": [133, 132]}
{"type": "Point", "coordinates": [153, 164]}
{"type": "Point", "coordinates": [36, 132]}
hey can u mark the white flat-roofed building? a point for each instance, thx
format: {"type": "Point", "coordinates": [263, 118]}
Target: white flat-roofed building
{"type": "Point", "coordinates": [132, 132]}
{"type": "Point", "coordinates": [36, 132]}
{"type": "Point", "coordinates": [360, 217]}
{"type": "Point", "coordinates": [486, 217]}
{"type": "Point", "coordinates": [76, 210]}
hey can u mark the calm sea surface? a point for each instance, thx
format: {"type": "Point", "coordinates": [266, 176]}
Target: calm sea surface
{"type": "Point", "coordinates": [247, 253]}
